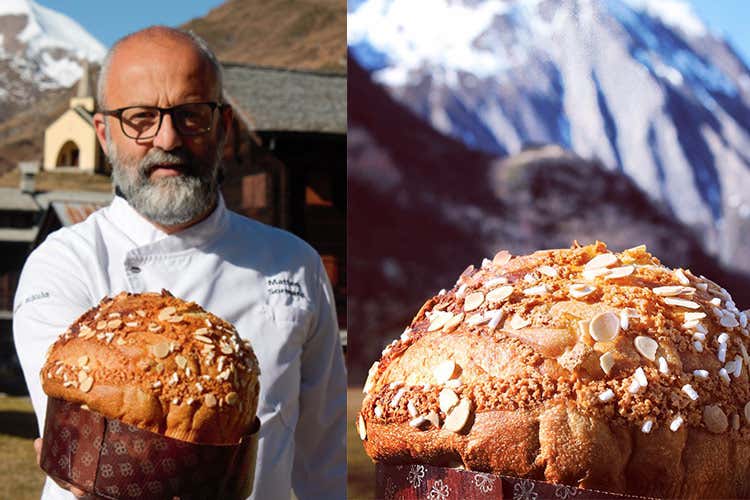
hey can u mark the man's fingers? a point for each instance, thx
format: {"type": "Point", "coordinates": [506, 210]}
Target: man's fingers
{"type": "Point", "coordinates": [38, 449]}
{"type": "Point", "coordinates": [78, 492]}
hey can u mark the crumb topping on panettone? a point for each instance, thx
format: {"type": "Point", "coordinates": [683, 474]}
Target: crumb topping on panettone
{"type": "Point", "coordinates": [170, 351]}
{"type": "Point", "coordinates": [617, 334]}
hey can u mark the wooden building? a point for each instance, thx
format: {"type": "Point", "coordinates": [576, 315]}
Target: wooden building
{"type": "Point", "coordinates": [286, 160]}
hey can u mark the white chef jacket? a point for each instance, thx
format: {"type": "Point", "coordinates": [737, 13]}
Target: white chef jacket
{"type": "Point", "coordinates": [268, 283]}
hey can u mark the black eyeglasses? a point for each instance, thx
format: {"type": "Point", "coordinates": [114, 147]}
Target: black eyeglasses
{"type": "Point", "coordinates": [144, 122]}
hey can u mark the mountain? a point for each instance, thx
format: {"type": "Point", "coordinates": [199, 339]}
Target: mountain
{"type": "Point", "coordinates": [423, 206]}
{"type": "Point", "coordinates": [641, 85]}
{"type": "Point", "coordinates": [299, 34]}
{"type": "Point", "coordinates": [40, 50]}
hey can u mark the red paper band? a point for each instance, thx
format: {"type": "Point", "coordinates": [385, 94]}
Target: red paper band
{"type": "Point", "coordinates": [114, 460]}
{"type": "Point", "coordinates": [415, 482]}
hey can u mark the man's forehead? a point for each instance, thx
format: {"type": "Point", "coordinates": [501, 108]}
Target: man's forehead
{"type": "Point", "coordinates": [166, 64]}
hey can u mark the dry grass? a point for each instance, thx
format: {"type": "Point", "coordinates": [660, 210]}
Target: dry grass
{"type": "Point", "coordinates": [361, 480]}
{"type": "Point", "coordinates": [299, 34]}
{"type": "Point", "coordinates": [66, 181]}
{"type": "Point", "coordinates": [20, 477]}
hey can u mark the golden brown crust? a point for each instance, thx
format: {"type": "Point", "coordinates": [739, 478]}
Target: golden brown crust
{"type": "Point", "coordinates": [578, 366]}
{"type": "Point", "coordinates": [159, 363]}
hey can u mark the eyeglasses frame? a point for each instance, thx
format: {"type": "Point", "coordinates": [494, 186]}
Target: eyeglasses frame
{"type": "Point", "coordinates": [119, 111]}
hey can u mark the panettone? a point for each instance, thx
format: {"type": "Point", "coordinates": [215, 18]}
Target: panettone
{"type": "Point", "coordinates": [579, 366]}
{"type": "Point", "coordinates": [160, 364]}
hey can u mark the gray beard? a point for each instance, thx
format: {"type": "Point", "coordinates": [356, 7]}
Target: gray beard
{"type": "Point", "coordinates": [167, 201]}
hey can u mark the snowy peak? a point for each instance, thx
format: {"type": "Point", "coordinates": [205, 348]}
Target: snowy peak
{"type": "Point", "coordinates": [41, 48]}
{"type": "Point", "coordinates": [48, 29]}
{"type": "Point", "coordinates": [674, 13]}
{"type": "Point", "coordinates": [643, 85]}
{"type": "Point", "coordinates": [486, 38]}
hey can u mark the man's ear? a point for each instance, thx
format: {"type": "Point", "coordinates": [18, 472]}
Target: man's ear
{"type": "Point", "coordinates": [226, 117]}
{"type": "Point", "coordinates": [101, 131]}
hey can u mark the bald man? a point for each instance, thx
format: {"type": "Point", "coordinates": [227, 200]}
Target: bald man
{"type": "Point", "coordinates": [162, 123]}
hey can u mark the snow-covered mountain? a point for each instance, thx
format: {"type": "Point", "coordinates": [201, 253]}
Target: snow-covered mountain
{"type": "Point", "coordinates": [642, 85]}
{"type": "Point", "coordinates": [40, 50]}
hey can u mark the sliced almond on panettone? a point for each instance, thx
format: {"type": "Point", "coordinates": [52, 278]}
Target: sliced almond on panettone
{"type": "Point", "coordinates": [82, 375]}
{"type": "Point", "coordinates": [646, 346]}
{"type": "Point", "coordinates": [447, 399]}
{"type": "Point", "coordinates": [501, 258]}
{"type": "Point", "coordinates": [601, 261]}
{"type": "Point", "coordinates": [210, 400]}
{"type": "Point", "coordinates": [729, 321]}
{"type": "Point", "coordinates": [606, 362]}
{"type": "Point", "coordinates": [434, 419]}
{"type": "Point", "coordinates": [361, 428]}
{"type": "Point", "coordinates": [715, 419]}
{"type": "Point", "coordinates": [668, 291]}
{"type": "Point", "coordinates": [536, 290]}
{"type": "Point", "coordinates": [619, 272]}
{"type": "Point", "coordinates": [473, 301]}
{"type": "Point", "coordinates": [86, 384]}
{"type": "Point", "coordinates": [456, 420]}
{"type": "Point", "coordinates": [181, 361]}
{"type": "Point", "coordinates": [517, 322]}
{"type": "Point", "coordinates": [114, 324]}
{"type": "Point", "coordinates": [499, 294]}
{"type": "Point", "coordinates": [688, 304]}
{"type": "Point", "coordinates": [232, 398]}
{"type": "Point", "coordinates": [445, 371]}
{"type": "Point", "coordinates": [438, 320]}
{"type": "Point", "coordinates": [418, 422]}
{"type": "Point", "coordinates": [580, 290]}
{"type": "Point", "coordinates": [83, 360]}
{"type": "Point", "coordinates": [693, 316]}
{"type": "Point", "coordinates": [165, 313]}
{"type": "Point", "coordinates": [453, 323]}
{"type": "Point", "coordinates": [548, 271]}
{"type": "Point", "coordinates": [160, 350]}
{"type": "Point", "coordinates": [203, 339]}
{"type": "Point", "coordinates": [604, 327]}
{"type": "Point", "coordinates": [681, 277]}
{"type": "Point", "coordinates": [592, 274]}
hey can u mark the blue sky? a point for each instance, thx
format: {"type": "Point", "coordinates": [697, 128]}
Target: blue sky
{"type": "Point", "coordinates": [108, 21]}
{"type": "Point", "coordinates": [729, 17]}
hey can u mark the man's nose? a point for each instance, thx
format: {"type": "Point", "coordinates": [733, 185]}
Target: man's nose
{"type": "Point", "coordinates": [167, 138]}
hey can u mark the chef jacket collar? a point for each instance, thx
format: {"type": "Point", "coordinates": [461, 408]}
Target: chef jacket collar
{"type": "Point", "coordinates": [145, 235]}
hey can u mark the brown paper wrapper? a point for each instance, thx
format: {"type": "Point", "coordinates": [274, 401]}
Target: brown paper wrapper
{"type": "Point", "coordinates": [113, 460]}
{"type": "Point", "coordinates": [415, 481]}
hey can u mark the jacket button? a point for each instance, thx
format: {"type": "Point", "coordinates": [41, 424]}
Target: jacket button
{"type": "Point", "coordinates": [134, 269]}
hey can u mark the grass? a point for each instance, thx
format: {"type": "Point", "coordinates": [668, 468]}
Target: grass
{"type": "Point", "coordinates": [67, 181]}
{"type": "Point", "coordinates": [20, 477]}
{"type": "Point", "coordinates": [361, 470]}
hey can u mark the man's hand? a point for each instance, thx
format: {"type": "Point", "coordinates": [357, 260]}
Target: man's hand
{"type": "Point", "coordinates": [74, 490]}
